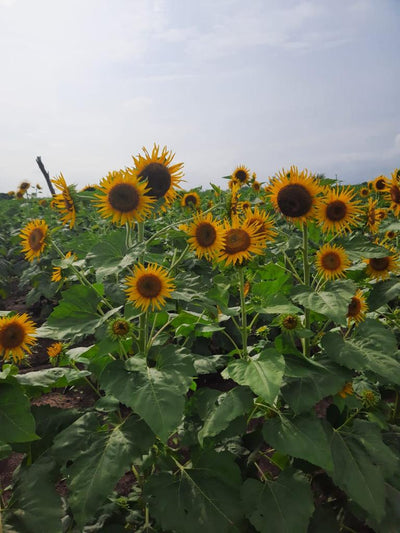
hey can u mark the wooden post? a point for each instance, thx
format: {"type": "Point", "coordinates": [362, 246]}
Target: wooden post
{"type": "Point", "coordinates": [45, 174]}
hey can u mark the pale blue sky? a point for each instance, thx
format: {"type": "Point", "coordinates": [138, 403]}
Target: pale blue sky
{"type": "Point", "coordinates": [86, 83]}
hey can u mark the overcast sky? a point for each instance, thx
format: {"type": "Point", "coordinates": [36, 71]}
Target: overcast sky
{"type": "Point", "coordinates": [265, 83]}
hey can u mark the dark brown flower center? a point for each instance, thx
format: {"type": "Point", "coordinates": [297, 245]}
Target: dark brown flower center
{"type": "Point", "coordinates": [354, 307]}
{"type": "Point", "coordinates": [241, 175]}
{"type": "Point", "coordinates": [205, 234]}
{"type": "Point", "coordinates": [236, 240]}
{"type": "Point", "coordinates": [331, 261]}
{"type": "Point", "coordinates": [12, 336]}
{"type": "Point", "coordinates": [36, 239]}
{"type": "Point", "coordinates": [120, 327]}
{"type": "Point", "coordinates": [395, 194]}
{"type": "Point", "coordinates": [123, 197]}
{"type": "Point", "coordinates": [190, 200]}
{"type": "Point", "coordinates": [149, 285]}
{"type": "Point", "coordinates": [68, 203]}
{"type": "Point", "coordinates": [380, 184]}
{"type": "Point", "coordinates": [294, 200]}
{"type": "Point", "coordinates": [290, 322]}
{"type": "Point", "coordinates": [379, 263]}
{"type": "Point", "coordinates": [336, 211]}
{"type": "Point", "coordinates": [158, 179]}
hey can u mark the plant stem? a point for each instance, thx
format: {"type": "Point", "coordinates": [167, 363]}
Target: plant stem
{"type": "Point", "coordinates": [243, 312]}
{"type": "Point", "coordinates": [306, 280]}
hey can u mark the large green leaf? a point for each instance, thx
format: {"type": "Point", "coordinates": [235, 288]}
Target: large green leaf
{"type": "Point", "coordinates": [155, 393]}
{"type": "Point", "coordinates": [302, 436]}
{"type": "Point", "coordinates": [263, 373]}
{"type": "Point", "coordinates": [104, 457]}
{"type": "Point", "coordinates": [383, 292]}
{"type": "Point", "coordinates": [309, 381]}
{"type": "Point", "coordinates": [51, 377]}
{"type": "Point", "coordinates": [360, 247]}
{"type": "Point", "coordinates": [281, 506]}
{"type": "Point", "coordinates": [230, 405]}
{"type": "Point", "coordinates": [36, 506]}
{"type": "Point", "coordinates": [332, 303]}
{"type": "Point", "coordinates": [373, 348]}
{"type": "Point", "coordinates": [76, 315]}
{"type": "Point", "coordinates": [16, 421]}
{"type": "Point", "coordinates": [205, 497]}
{"type": "Point", "coordinates": [276, 303]}
{"type": "Point", "coordinates": [356, 473]}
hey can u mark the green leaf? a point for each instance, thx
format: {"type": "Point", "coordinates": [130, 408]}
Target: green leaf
{"type": "Point", "coordinates": [51, 377]}
{"type": "Point", "coordinates": [156, 393]}
{"type": "Point", "coordinates": [231, 405]}
{"type": "Point", "coordinates": [382, 293]}
{"type": "Point", "coordinates": [332, 303]}
{"type": "Point", "coordinates": [302, 436]}
{"type": "Point", "coordinates": [263, 373]}
{"type": "Point", "coordinates": [36, 504]}
{"type": "Point", "coordinates": [76, 315]}
{"type": "Point", "coordinates": [5, 450]}
{"type": "Point", "coordinates": [372, 348]}
{"type": "Point", "coordinates": [205, 497]}
{"type": "Point", "coordinates": [360, 247]}
{"type": "Point", "coordinates": [103, 458]}
{"type": "Point", "coordinates": [281, 506]}
{"type": "Point", "coordinates": [16, 421]}
{"type": "Point", "coordinates": [275, 304]}
{"type": "Point", "coordinates": [356, 474]}
{"type": "Point", "coordinates": [310, 381]}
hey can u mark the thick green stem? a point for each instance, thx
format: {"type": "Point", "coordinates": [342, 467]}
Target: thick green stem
{"type": "Point", "coordinates": [144, 317]}
{"type": "Point", "coordinates": [306, 279]}
{"type": "Point", "coordinates": [243, 312]}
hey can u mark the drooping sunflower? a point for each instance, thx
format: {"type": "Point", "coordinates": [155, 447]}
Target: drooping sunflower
{"type": "Point", "coordinates": [393, 192]}
{"type": "Point", "coordinates": [347, 390]}
{"type": "Point", "coordinates": [162, 176]}
{"type": "Point", "coordinates": [262, 220]}
{"type": "Point", "coordinates": [191, 200]}
{"type": "Point", "coordinates": [380, 267]}
{"type": "Point", "coordinates": [123, 198]}
{"type": "Point", "coordinates": [256, 186]}
{"type": "Point", "coordinates": [17, 335]}
{"type": "Point", "coordinates": [332, 261]}
{"type": "Point", "coordinates": [294, 194]}
{"type": "Point", "coordinates": [55, 350]}
{"type": "Point", "coordinates": [357, 308]}
{"type": "Point", "coordinates": [57, 273]}
{"type": "Point", "coordinates": [241, 240]}
{"type": "Point", "coordinates": [337, 211]}
{"type": "Point", "coordinates": [64, 201]}
{"type": "Point", "coordinates": [205, 236]}
{"type": "Point", "coordinates": [24, 186]}
{"type": "Point", "coordinates": [373, 219]}
{"type": "Point", "coordinates": [33, 237]}
{"type": "Point", "coordinates": [149, 286]}
{"type": "Point", "coordinates": [380, 184]}
{"type": "Point", "coordinates": [241, 174]}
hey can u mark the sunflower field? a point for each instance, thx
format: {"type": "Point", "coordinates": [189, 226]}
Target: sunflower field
{"type": "Point", "coordinates": [235, 354]}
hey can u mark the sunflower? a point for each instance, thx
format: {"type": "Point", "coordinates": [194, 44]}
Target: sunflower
{"type": "Point", "coordinates": [289, 322]}
{"type": "Point", "coordinates": [11, 193]}
{"type": "Point", "coordinates": [191, 199]}
{"type": "Point", "coordinates": [294, 194]}
{"type": "Point", "coordinates": [241, 240]}
{"type": "Point", "coordinates": [347, 390]}
{"type": "Point", "coordinates": [64, 201]}
{"type": "Point", "coordinates": [149, 286]}
{"type": "Point", "coordinates": [16, 337]}
{"type": "Point", "coordinates": [119, 328]}
{"type": "Point", "coordinates": [242, 206]}
{"type": "Point", "coordinates": [55, 349]}
{"type": "Point", "coordinates": [33, 237]}
{"type": "Point", "coordinates": [332, 261]}
{"type": "Point", "coordinates": [390, 235]}
{"type": "Point", "coordinates": [373, 219]}
{"type": "Point", "coordinates": [123, 198]}
{"type": "Point", "coordinates": [357, 308]}
{"type": "Point", "coordinates": [338, 211]}
{"type": "Point", "coordinates": [241, 174]}
{"type": "Point", "coordinates": [57, 276]}
{"type": "Point", "coordinates": [393, 192]}
{"type": "Point", "coordinates": [364, 192]}
{"type": "Point", "coordinates": [205, 236]}
{"type": "Point", "coordinates": [380, 267]}
{"type": "Point", "coordinates": [256, 186]}
{"type": "Point", "coordinates": [262, 221]}
{"type": "Point", "coordinates": [24, 186]}
{"type": "Point", "coordinates": [380, 183]}
{"type": "Point", "coordinates": [20, 194]}
{"type": "Point", "coordinates": [160, 174]}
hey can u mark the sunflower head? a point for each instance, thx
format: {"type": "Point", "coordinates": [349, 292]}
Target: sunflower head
{"type": "Point", "coordinates": [241, 241]}
{"type": "Point", "coordinates": [149, 286]}
{"type": "Point", "coordinates": [64, 201]}
{"type": "Point", "coordinates": [289, 322]}
{"type": "Point", "coordinates": [24, 186]}
{"type": "Point", "coordinates": [380, 184]}
{"type": "Point", "coordinates": [205, 236]}
{"type": "Point", "coordinates": [379, 268]}
{"type": "Point", "coordinates": [55, 350]}
{"type": "Point", "coordinates": [347, 390]}
{"type": "Point", "coordinates": [119, 328]}
{"type": "Point", "coordinates": [263, 222]}
{"type": "Point", "coordinates": [392, 193]}
{"type": "Point", "coordinates": [159, 174]}
{"type": "Point", "coordinates": [34, 238]}
{"type": "Point", "coordinates": [57, 271]}
{"type": "Point", "coordinates": [364, 192]}
{"type": "Point", "coordinates": [294, 194]}
{"type": "Point", "coordinates": [337, 211]}
{"type": "Point", "coordinates": [357, 308]}
{"type": "Point", "coordinates": [123, 198]}
{"type": "Point", "coordinates": [241, 174]}
{"type": "Point", "coordinates": [17, 335]}
{"type": "Point", "coordinates": [332, 261]}
{"type": "Point", "coordinates": [191, 200]}
{"type": "Point", "coordinates": [256, 186]}
{"type": "Point", "coordinates": [373, 220]}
